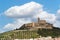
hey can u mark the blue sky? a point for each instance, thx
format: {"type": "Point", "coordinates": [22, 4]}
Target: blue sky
{"type": "Point", "coordinates": [50, 6]}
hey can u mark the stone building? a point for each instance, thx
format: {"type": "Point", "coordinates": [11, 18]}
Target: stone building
{"type": "Point", "coordinates": [40, 24]}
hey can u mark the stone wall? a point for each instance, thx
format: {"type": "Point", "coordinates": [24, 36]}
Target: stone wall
{"type": "Point", "coordinates": [38, 24]}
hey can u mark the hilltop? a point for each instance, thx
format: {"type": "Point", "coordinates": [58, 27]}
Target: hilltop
{"type": "Point", "coordinates": [39, 24]}
{"type": "Point", "coordinates": [32, 30]}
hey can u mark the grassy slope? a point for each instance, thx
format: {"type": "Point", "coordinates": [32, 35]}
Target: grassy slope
{"type": "Point", "coordinates": [20, 34]}
{"type": "Point", "coordinates": [31, 34]}
{"type": "Point", "coordinates": [49, 32]}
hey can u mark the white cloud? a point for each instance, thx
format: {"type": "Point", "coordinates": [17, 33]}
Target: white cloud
{"type": "Point", "coordinates": [46, 16]}
{"type": "Point", "coordinates": [1, 31]}
{"type": "Point", "coordinates": [16, 24]}
{"type": "Point", "coordinates": [26, 10]}
{"type": "Point", "coordinates": [29, 10]}
{"type": "Point", "coordinates": [57, 22]}
{"type": "Point", "coordinates": [26, 13]}
{"type": "Point", "coordinates": [58, 11]}
{"type": "Point", "coordinates": [58, 14]}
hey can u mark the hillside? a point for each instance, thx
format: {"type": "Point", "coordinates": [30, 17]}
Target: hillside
{"type": "Point", "coordinates": [21, 34]}
{"type": "Point", "coordinates": [55, 32]}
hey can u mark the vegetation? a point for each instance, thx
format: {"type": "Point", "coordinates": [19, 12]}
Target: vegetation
{"type": "Point", "coordinates": [55, 32]}
{"type": "Point", "coordinates": [21, 34]}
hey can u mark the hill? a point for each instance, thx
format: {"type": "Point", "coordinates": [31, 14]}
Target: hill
{"type": "Point", "coordinates": [21, 34]}
{"type": "Point", "coordinates": [55, 32]}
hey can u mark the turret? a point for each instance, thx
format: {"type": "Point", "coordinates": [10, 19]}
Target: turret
{"type": "Point", "coordinates": [33, 24]}
{"type": "Point", "coordinates": [38, 19]}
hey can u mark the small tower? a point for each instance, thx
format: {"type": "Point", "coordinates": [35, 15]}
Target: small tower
{"type": "Point", "coordinates": [32, 24]}
{"type": "Point", "coordinates": [38, 19]}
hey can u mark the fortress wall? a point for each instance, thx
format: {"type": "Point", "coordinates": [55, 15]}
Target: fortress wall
{"type": "Point", "coordinates": [39, 24]}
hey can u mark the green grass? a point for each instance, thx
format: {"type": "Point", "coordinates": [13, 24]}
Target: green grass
{"type": "Point", "coordinates": [18, 34]}
{"type": "Point", "coordinates": [49, 32]}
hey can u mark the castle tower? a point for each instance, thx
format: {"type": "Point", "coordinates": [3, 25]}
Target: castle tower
{"type": "Point", "coordinates": [32, 24]}
{"type": "Point", "coordinates": [38, 19]}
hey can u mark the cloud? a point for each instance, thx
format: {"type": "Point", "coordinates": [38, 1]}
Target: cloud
{"type": "Point", "coordinates": [27, 13]}
{"type": "Point", "coordinates": [1, 31]}
{"type": "Point", "coordinates": [46, 16]}
{"type": "Point", "coordinates": [24, 11]}
{"type": "Point", "coordinates": [57, 22]}
{"type": "Point", "coordinates": [58, 11]}
{"type": "Point", "coordinates": [16, 24]}
{"type": "Point", "coordinates": [58, 14]}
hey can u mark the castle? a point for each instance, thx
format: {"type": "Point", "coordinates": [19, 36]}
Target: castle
{"type": "Point", "coordinates": [40, 24]}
